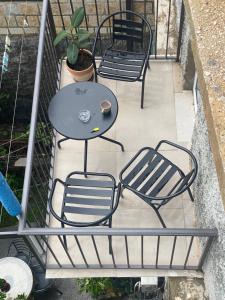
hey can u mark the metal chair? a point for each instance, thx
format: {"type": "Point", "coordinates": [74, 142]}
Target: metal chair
{"type": "Point", "coordinates": [125, 40]}
{"type": "Point", "coordinates": [86, 201]}
{"type": "Point", "coordinates": [155, 179]}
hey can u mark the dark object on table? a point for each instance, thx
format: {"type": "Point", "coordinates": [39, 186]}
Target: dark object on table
{"type": "Point", "coordinates": [106, 107]}
{"type": "Point", "coordinates": [155, 179]}
{"type": "Point", "coordinates": [64, 110]}
{"type": "Point", "coordinates": [98, 190]}
{"type": "Point", "coordinates": [125, 55]}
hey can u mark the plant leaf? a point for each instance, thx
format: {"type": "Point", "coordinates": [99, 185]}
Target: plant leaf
{"type": "Point", "coordinates": [77, 17]}
{"type": "Point", "coordinates": [60, 36]}
{"type": "Point", "coordinates": [72, 53]}
{"type": "Point", "coordinates": [83, 35]}
{"type": "Point", "coordinates": [84, 44]}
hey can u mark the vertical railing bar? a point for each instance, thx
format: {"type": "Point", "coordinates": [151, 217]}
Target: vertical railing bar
{"type": "Point", "coordinates": [127, 252]}
{"type": "Point", "coordinates": [71, 5]}
{"type": "Point", "coordinates": [157, 252]}
{"type": "Point", "coordinates": [36, 203]}
{"type": "Point", "coordinates": [37, 239]}
{"type": "Point", "coordinates": [145, 14]}
{"type": "Point", "coordinates": [113, 258]}
{"type": "Point", "coordinates": [46, 134]}
{"type": "Point", "coordinates": [39, 163]}
{"type": "Point", "coordinates": [42, 200]}
{"type": "Point", "coordinates": [156, 27]}
{"type": "Point", "coordinates": [96, 250]}
{"type": "Point", "coordinates": [205, 251]}
{"type": "Point", "coordinates": [52, 57]}
{"type": "Point", "coordinates": [142, 252]}
{"type": "Point", "coordinates": [49, 78]}
{"type": "Point", "coordinates": [52, 66]}
{"type": "Point", "coordinates": [85, 14]}
{"type": "Point", "coordinates": [44, 160]}
{"type": "Point", "coordinates": [67, 252]}
{"type": "Point", "coordinates": [34, 251]}
{"type": "Point", "coordinates": [96, 9]}
{"type": "Point", "coordinates": [53, 254]}
{"type": "Point", "coordinates": [182, 17]}
{"type": "Point", "coordinates": [188, 252]}
{"type": "Point", "coordinates": [173, 249]}
{"type": "Point", "coordinates": [110, 30]}
{"type": "Point", "coordinates": [30, 208]}
{"type": "Point", "coordinates": [61, 15]}
{"type": "Point", "coordinates": [81, 251]}
{"type": "Point", "coordinates": [168, 29]}
{"type": "Point", "coordinates": [53, 48]}
{"type": "Point", "coordinates": [120, 2]}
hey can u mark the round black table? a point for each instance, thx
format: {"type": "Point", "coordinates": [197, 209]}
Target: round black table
{"type": "Point", "coordinates": [66, 105]}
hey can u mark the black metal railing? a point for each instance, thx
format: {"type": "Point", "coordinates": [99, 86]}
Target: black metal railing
{"type": "Point", "coordinates": [46, 242]}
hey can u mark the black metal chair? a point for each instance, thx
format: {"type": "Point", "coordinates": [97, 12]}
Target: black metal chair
{"type": "Point", "coordinates": [87, 201]}
{"type": "Point", "coordinates": [124, 39]}
{"type": "Point", "coordinates": [156, 179]}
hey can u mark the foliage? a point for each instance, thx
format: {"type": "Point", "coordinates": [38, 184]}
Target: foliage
{"type": "Point", "coordinates": [4, 98]}
{"type": "Point", "coordinates": [21, 297]}
{"type": "Point", "coordinates": [2, 281]}
{"type": "Point", "coordinates": [110, 287]}
{"type": "Point", "coordinates": [77, 38]}
{"type": "Point", "coordinates": [2, 296]}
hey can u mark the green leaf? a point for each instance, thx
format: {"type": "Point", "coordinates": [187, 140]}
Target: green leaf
{"type": "Point", "coordinates": [72, 53]}
{"type": "Point", "coordinates": [83, 35]}
{"type": "Point", "coordinates": [84, 45]}
{"type": "Point", "coordinates": [60, 36]}
{"type": "Point", "coordinates": [77, 17]}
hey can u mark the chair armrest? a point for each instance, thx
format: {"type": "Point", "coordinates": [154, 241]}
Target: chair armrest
{"type": "Point", "coordinates": [180, 148]}
{"type": "Point", "coordinates": [52, 193]}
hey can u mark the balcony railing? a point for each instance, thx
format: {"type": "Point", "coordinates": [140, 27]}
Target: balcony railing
{"type": "Point", "coordinates": [132, 248]}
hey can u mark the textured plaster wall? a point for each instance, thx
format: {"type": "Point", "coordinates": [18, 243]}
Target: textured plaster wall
{"type": "Point", "coordinates": [209, 207]}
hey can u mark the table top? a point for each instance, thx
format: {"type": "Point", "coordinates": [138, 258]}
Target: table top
{"type": "Point", "coordinates": [18, 274]}
{"type": "Point", "coordinates": [65, 106]}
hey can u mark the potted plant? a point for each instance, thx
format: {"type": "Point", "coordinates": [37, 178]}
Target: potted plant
{"type": "Point", "coordinates": [79, 59]}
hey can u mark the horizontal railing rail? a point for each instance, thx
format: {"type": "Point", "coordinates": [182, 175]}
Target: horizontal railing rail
{"type": "Point", "coordinates": [130, 248]}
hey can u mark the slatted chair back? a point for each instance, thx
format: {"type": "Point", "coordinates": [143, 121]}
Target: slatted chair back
{"type": "Point", "coordinates": [123, 30]}
{"type": "Point", "coordinates": [128, 30]}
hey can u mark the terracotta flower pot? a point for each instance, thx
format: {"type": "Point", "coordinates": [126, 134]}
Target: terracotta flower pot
{"type": "Point", "coordinates": [82, 75]}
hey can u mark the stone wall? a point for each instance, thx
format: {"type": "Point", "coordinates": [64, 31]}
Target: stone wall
{"type": "Point", "coordinates": [209, 207]}
{"type": "Point", "coordinates": [186, 55]}
{"type": "Point", "coordinates": [25, 62]}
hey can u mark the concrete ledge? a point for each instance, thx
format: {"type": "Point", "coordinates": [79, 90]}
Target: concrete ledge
{"type": "Point", "coordinates": [206, 18]}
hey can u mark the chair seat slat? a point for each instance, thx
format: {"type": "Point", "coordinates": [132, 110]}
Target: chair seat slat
{"type": "Point", "coordinates": [89, 183]}
{"type": "Point", "coordinates": [86, 211]}
{"type": "Point", "coordinates": [163, 182]}
{"type": "Point", "coordinates": [88, 192]}
{"type": "Point", "coordinates": [88, 201]}
{"type": "Point", "coordinates": [148, 157]}
{"type": "Point", "coordinates": [121, 66]}
{"type": "Point", "coordinates": [123, 37]}
{"type": "Point", "coordinates": [151, 166]}
{"type": "Point", "coordinates": [118, 73]}
{"type": "Point", "coordinates": [138, 32]}
{"type": "Point", "coordinates": [125, 55]}
{"type": "Point", "coordinates": [154, 177]}
{"type": "Point", "coordinates": [124, 61]}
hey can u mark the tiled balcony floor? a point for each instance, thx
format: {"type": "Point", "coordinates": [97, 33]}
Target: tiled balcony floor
{"type": "Point", "coordinates": [167, 114]}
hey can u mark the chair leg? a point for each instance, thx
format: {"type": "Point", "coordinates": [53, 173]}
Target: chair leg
{"type": "Point", "coordinates": [148, 65]}
{"type": "Point", "coordinates": [190, 194]}
{"type": "Point", "coordinates": [110, 237]}
{"type": "Point", "coordinates": [64, 237]}
{"type": "Point", "coordinates": [142, 93]}
{"type": "Point", "coordinates": [96, 77]}
{"type": "Point", "coordinates": [159, 216]}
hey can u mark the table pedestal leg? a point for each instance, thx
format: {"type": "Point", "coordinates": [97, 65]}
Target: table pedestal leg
{"type": "Point", "coordinates": [85, 156]}
{"type": "Point", "coordinates": [62, 140]}
{"type": "Point", "coordinates": [112, 141]}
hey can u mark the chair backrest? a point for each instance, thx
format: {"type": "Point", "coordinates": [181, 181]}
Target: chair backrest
{"type": "Point", "coordinates": [127, 30]}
